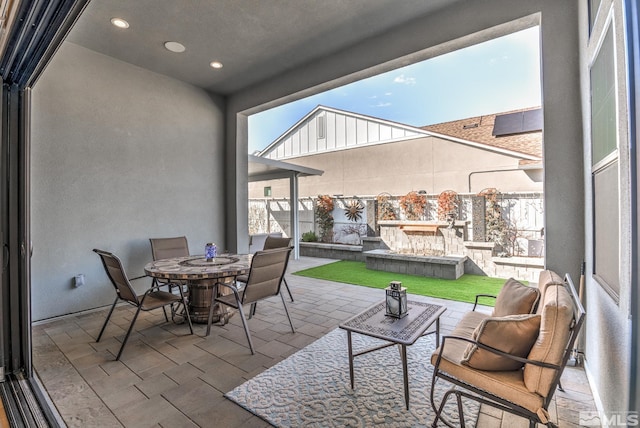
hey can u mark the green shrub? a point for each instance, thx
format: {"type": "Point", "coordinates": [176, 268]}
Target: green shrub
{"type": "Point", "coordinates": [309, 236]}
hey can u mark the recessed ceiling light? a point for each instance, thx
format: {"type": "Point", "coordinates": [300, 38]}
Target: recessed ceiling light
{"type": "Point", "coordinates": [119, 22]}
{"type": "Point", "coordinates": [174, 47]}
{"type": "Point", "coordinates": [215, 64]}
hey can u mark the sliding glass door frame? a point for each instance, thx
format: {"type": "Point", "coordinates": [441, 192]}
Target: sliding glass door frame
{"type": "Point", "coordinates": [36, 31]}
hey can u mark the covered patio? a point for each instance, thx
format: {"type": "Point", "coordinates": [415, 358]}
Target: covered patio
{"type": "Point", "coordinates": [169, 378]}
{"type": "Point", "coordinates": [101, 151]}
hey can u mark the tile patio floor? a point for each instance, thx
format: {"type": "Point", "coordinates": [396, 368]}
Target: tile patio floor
{"type": "Point", "coordinates": [168, 378]}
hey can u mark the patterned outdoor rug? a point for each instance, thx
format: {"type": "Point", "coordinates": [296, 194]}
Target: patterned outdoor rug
{"type": "Point", "coordinates": [311, 388]}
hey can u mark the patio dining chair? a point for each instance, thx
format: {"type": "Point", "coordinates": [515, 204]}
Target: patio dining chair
{"type": "Point", "coordinates": [166, 248]}
{"type": "Point", "coordinates": [275, 242]}
{"type": "Point", "coordinates": [152, 299]}
{"type": "Point", "coordinates": [264, 280]}
{"type": "Point", "coordinates": [270, 243]}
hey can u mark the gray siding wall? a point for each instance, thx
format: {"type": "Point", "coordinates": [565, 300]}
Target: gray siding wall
{"type": "Point", "coordinates": [119, 155]}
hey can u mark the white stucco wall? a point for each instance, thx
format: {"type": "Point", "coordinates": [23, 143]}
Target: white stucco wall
{"type": "Point", "coordinates": [608, 324]}
{"type": "Point", "coordinates": [119, 155]}
{"type": "Point", "coordinates": [429, 163]}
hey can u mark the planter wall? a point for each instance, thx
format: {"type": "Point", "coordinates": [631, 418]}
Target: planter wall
{"type": "Point", "coordinates": [332, 251]}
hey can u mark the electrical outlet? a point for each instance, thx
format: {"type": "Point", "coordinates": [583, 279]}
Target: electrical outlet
{"type": "Point", "coordinates": [78, 280]}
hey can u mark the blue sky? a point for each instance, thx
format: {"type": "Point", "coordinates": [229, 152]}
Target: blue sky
{"type": "Point", "coordinates": [495, 76]}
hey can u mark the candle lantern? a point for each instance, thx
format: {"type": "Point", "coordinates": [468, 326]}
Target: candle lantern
{"type": "Point", "coordinates": [210, 251]}
{"type": "Point", "coordinates": [396, 300]}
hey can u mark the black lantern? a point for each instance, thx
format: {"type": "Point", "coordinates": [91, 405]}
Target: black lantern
{"type": "Point", "coordinates": [396, 300]}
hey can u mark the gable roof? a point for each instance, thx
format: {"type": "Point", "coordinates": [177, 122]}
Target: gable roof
{"type": "Point", "coordinates": [406, 130]}
{"type": "Point", "coordinates": [475, 131]}
{"type": "Point", "coordinates": [480, 129]}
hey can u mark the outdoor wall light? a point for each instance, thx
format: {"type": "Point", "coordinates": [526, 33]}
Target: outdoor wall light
{"type": "Point", "coordinates": [396, 300]}
{"type": "Point", "coordinates": [215, 64]}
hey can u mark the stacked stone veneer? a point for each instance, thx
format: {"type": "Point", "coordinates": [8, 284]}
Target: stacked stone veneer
{"type": "Point", "coordinates": [481, 261]}
{"type": "Point", "coordinates": [443, 241]}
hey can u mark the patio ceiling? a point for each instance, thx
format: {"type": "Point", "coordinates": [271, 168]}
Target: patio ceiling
{"type": "Point", "coordinates": [263, 169]}
{"type": "Point", "coordinates": [254, 40]}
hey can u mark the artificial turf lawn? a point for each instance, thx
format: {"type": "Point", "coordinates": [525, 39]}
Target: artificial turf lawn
{"type": "Point", "coordinates": [463, 289]}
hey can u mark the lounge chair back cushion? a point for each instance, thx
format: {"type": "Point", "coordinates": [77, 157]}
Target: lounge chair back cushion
{"type": "Point", "coordinates": [513, 334]}
{"type": "Point", "coordinates": [515, 298]}
{"type": "Point", "coordinates": [555, 330]}
{"type": "Point", "coordinates": [547, 278]}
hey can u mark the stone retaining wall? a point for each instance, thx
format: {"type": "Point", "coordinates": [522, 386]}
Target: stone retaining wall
{"type": "Point", "coordinates": [451, 267]}
{"type": "Point", "coordinates": [477, 259]}
{"type": "Point", "coordinates": [332, 251]}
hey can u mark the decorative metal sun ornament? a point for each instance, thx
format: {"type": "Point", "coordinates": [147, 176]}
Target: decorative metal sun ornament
{"type": "Point", "coordinates": [353, 210]}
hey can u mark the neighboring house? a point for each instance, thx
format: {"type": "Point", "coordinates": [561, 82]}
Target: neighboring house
{"type": "Point", "coordinates": [363, 155]}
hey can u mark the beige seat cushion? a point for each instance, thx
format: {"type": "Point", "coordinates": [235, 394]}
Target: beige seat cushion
{"type": "Point", "coordinates": [557, 317]}
{"type": "Point", "coordinates": [513, 334]}
{"type": "Point", "coordinates": [515, 298]}
{"type": "Point", "coordinates": [508, 384]}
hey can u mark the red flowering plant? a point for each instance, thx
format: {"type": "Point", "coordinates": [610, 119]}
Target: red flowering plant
{"type": "Point", "coordinates": [324, 217]}
{"type": "Point", "coordinates": [448, 203]}
{"type": "Point", "coordinates": [413, 204]}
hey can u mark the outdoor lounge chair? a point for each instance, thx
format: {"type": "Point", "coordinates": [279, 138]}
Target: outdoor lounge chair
{"type": "Point", "coordinates": [264, 280]}
{"type": "Point", "coordinates": [152, 299]}
{"type": "Point", "coordinates": [475, 360]}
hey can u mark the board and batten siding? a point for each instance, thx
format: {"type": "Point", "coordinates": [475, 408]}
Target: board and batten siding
{"type": "Point", "coordinates": [327, 131]}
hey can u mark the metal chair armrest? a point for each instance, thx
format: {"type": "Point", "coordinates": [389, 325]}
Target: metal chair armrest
{"type": "Point", "coordinates": [482, 295]}
{"type": "Point", "coordinates": [495, 351]}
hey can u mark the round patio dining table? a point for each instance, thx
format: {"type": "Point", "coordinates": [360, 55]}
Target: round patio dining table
{"type": "Point", "coordinates": [200, 275]}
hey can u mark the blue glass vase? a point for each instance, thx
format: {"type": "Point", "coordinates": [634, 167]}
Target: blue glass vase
{"type": "Point", "coordinates": [210, 251]}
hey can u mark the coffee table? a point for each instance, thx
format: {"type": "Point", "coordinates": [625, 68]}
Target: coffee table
{"type": "Point", "coordinates": [397, 331]}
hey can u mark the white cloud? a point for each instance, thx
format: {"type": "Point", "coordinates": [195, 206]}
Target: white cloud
{"type": "Point", "coordinates": [404, 79]}
{"type": "Point", "coordinates": [381, 104]}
